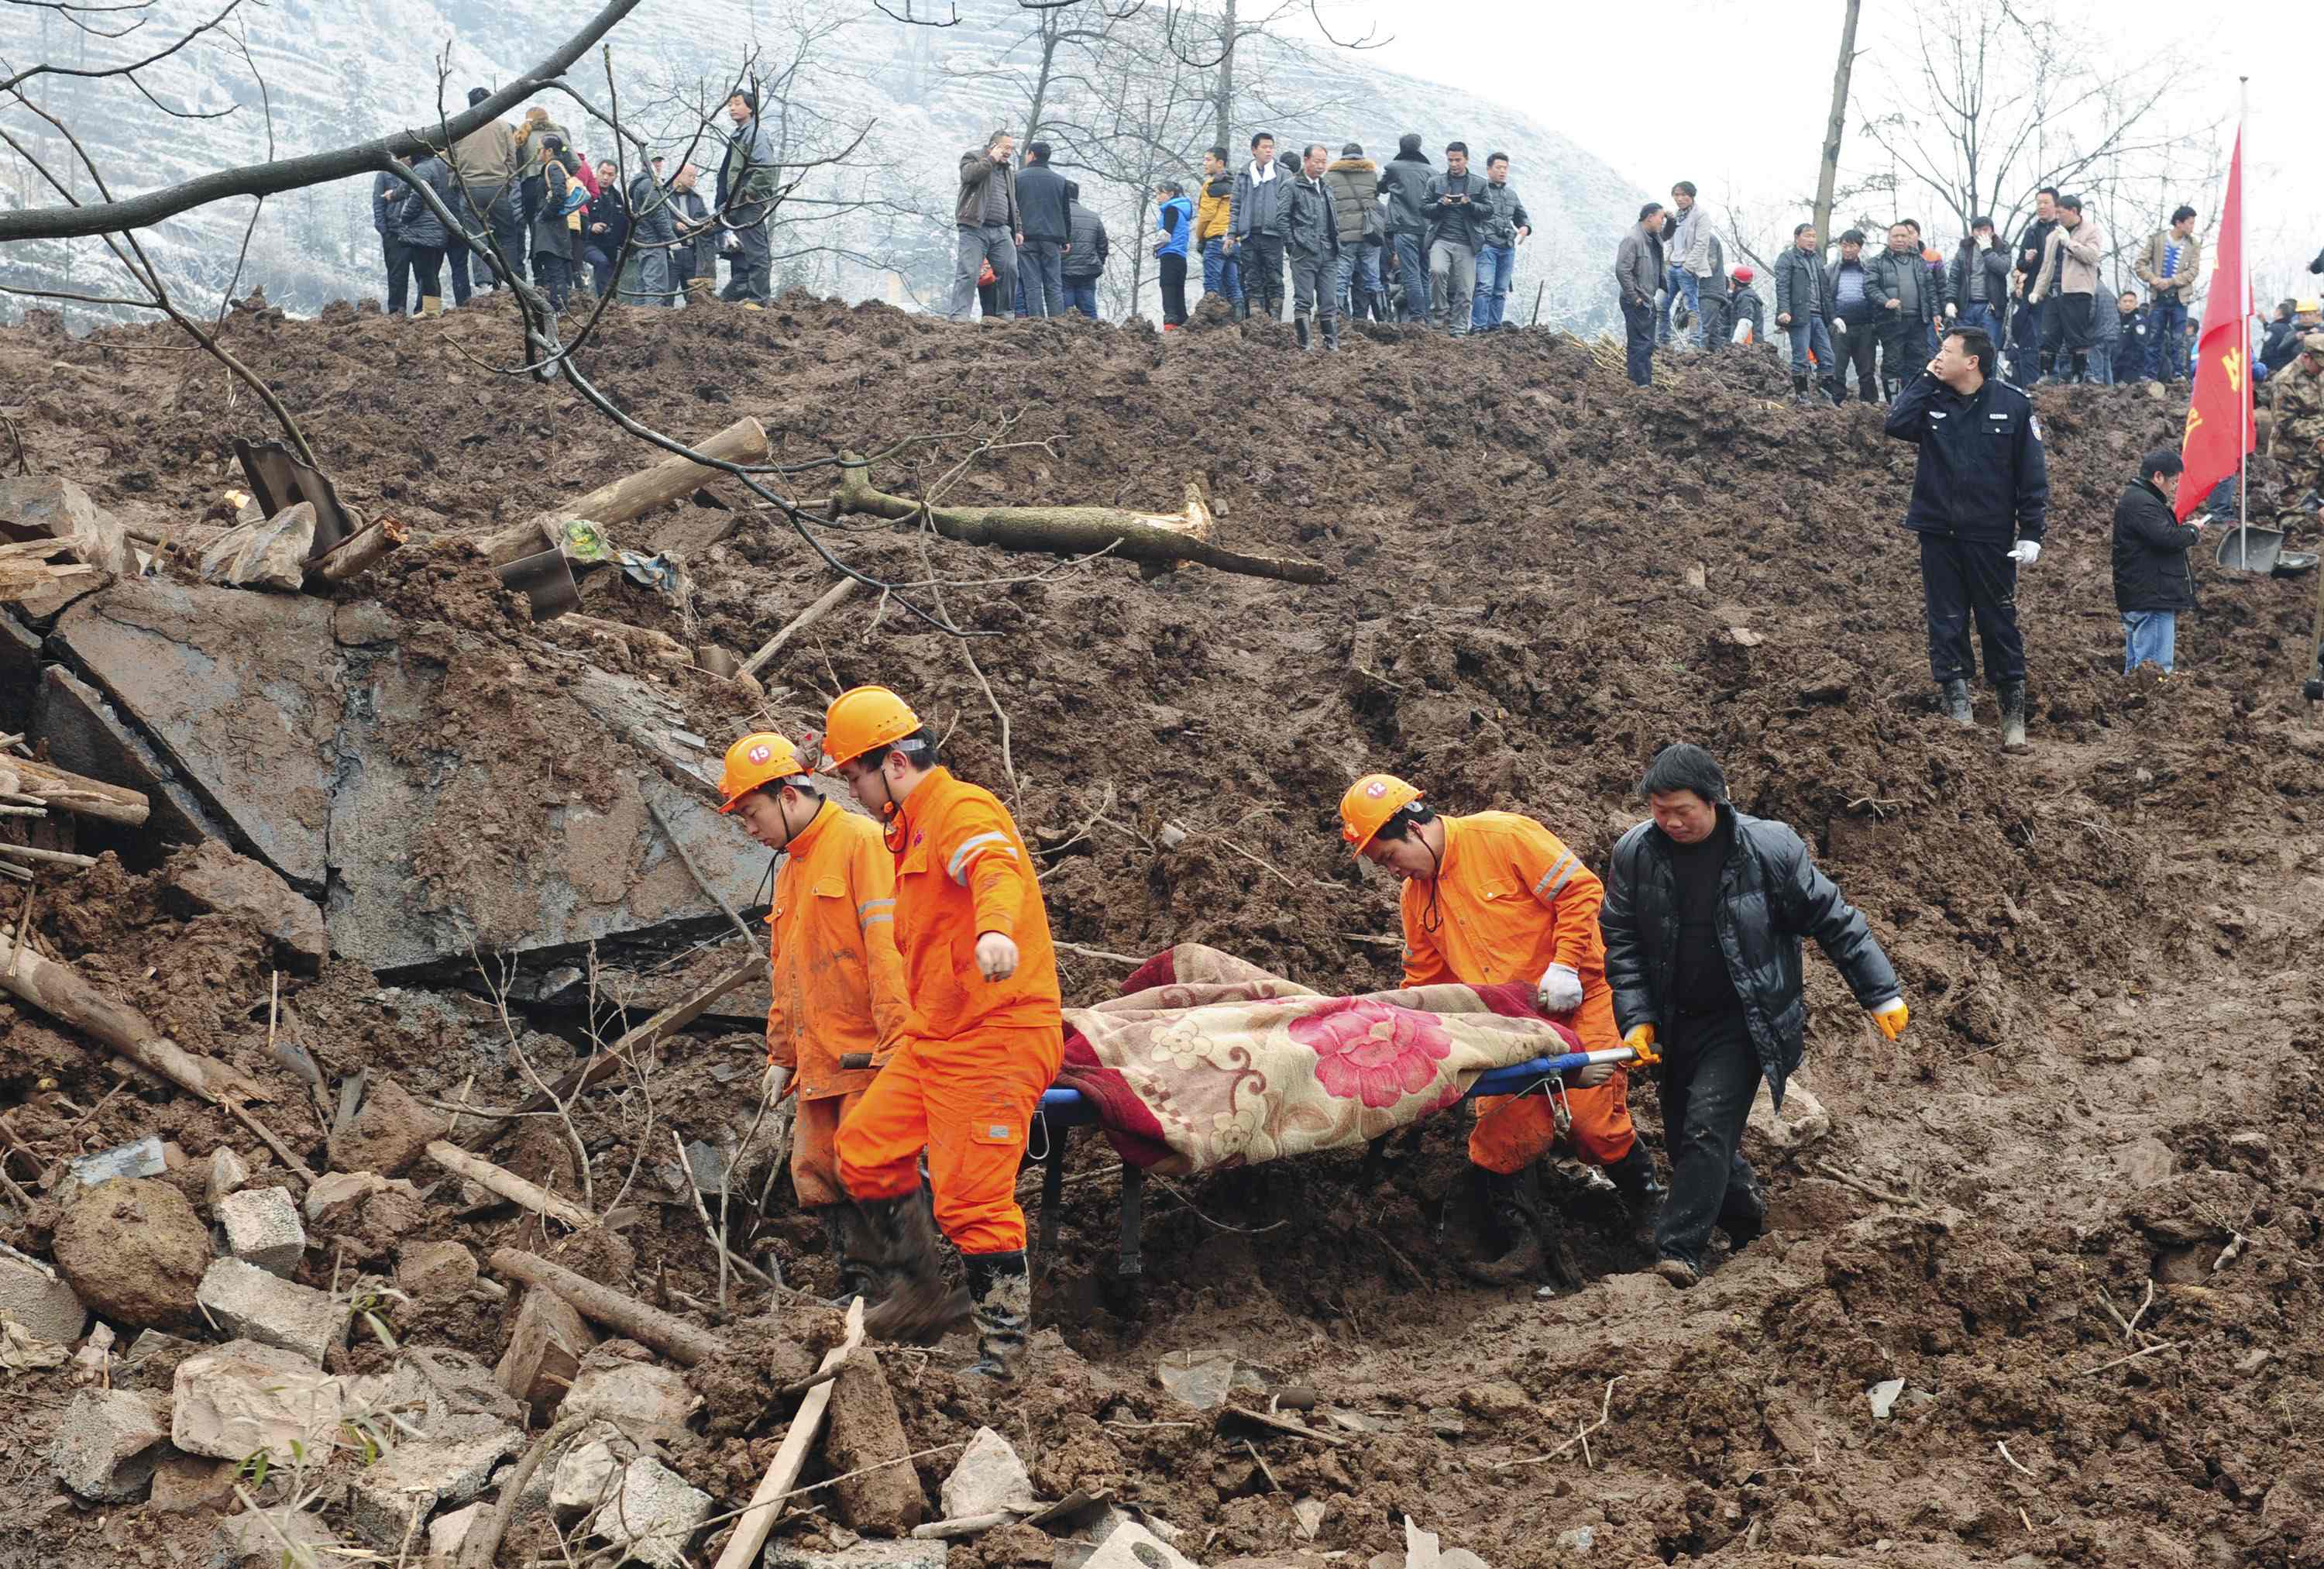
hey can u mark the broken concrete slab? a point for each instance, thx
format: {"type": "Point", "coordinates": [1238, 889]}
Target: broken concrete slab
{"type": "Point", "coordinates": [784, 1554]}
{"type": "Point", "coordinates": [84, 734]}
{"type": "Point", "coordinates": [41, 506]}
{"type": "Point", "coordinates": [447, 1534]}
{"type": "Point", "coordinates": [243, 1398]}
{"type": "Point", "coordinates": [152, 1360]}
{"type": "Point", "coordinates": [244, 1300]}
{"type": "Point", "coordinates": [36, 1296]}
{"type": "Point", "coordinates": [262, 1228]}
{"type": "Point", "coordinates": [588, 1472]}
{"type": "Point", "coordinates": [988, 1479]}
{"type": "Point", "coordinates": [544, 1352]}
{"type": "Point", "coordinates": [228, 1172]}
{"type": "Point", "coordinates": [20, 674]}
{"type": "Point", "coordinates": [210, 879]}
{"type": "Point", "coordinates": [653, 1514]}
{"type": "Point", "coordinates": [439, 1269]}
{"type": "Point", "coordinates": [388, 1134]}
{"type": "Point", "coordinates": [107, 1444]}
{"type": "Point", "coordinates": [440, 1383]}
{"type": "Point", "coordinates": [256, 1540]}
{"type": "Point", "coordinates": [1130, 1546]}
{"type": "Point", "coordinates": [389, 1499]}
{"type": "Point", "coordinates": [643, 1399]}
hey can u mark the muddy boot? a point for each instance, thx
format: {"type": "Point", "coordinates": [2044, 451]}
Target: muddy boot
{"type": "Point", "coordinates": [1678, 1272]}
{"type": "Point", "coordinates": [2013, 714]}
{"type": "Point", "coordinates": [1537, 1247]}
{"type": "Point", "coordinates": [900, 1240]}
{"type": "Point", "coordinates": [1642, 1194]}
{"type": "Point", "coordinates": [1954, 694]}
{"type": "Point", "coordinates": [1299, 328]}
{"type": "Point", "coordinates": [1800, 389]}
{"type": "Point", "coordinates": [1743, 1214]}
{"type": "Point", "coordinates": [1332, 335]}
{"type": "Point", "coordinates": [844, 1229]}
{"type": "Point", "coordinates": [431, 305]}
{"type": "Point", "coordinates": [1001, 1294]}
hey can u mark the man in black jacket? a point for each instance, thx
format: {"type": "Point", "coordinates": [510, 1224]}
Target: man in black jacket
{"type": "Point", "coordinates": [1705, 909]}
{"type": "Point", "coordinates": [1405, 182]}
{"type": "Point", "coordinates": [2151, 584]}
{"type": "Point", "coordinates": [1048, 230]}
{"type": "Point", "coordinates": [1980, 502]}
{"type": "Point", "coordinates": [2033, 325]}
{"type": "Point", "coordinates": [1460, 222]}
{"type": "Point", "coordinates": [604, 225]}
{"type": "Point", "coordinates": [1311, 239]}
{"type": "Point", "coordinates": [1262, 201]}
{"type": "Point", "coordinates": [1086, 255]}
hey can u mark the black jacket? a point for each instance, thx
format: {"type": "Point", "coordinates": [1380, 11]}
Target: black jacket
{"type": "Point", "coordinates": [2150, 552]}
{"type": "Point", "coordinates": [1463, 223]}
{"type": "Point", "coordinates": [1994, 262]}
{"type": "Point", "coordinates": [1405, 182]}
{"type": "Point", "coordinates": [2281, 346]}
{"type": "Point", "coordinates": [1981, 475]}
{"type": "Point", "coordinates": [1904, 277]}
{"type": "Point", "coordinates": [1090, 246]}
{"type": "Point", "coordinates": [2030, 245]}
{"type": "Point", "coordinates": [1042, 205]}
{"type": "Point", "coordinates": [414, 222]}
{"type": "Point", "coordinates": [1311, 223]}
{"type": "Point", "coordinates": [1771, 896]}
{"type": "Point", "coordinates": [609, 209]}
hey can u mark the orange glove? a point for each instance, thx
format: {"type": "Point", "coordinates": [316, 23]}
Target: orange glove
{"type": "Point", "coordinates": [1641, 1040]}
{"type": "Point", "coordinates": [1892, 1016]}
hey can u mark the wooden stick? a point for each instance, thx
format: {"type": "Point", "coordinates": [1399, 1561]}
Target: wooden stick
{"type": "Point", "coordinates": [23, 779]}
{"type": "Point", "coordinates": [57, 857]}
{"type": "Point", "coordinates": [484, 1541]}
{"type": "Point", "coordinates": [1284, 1425]}
{"type": "Point", "coordinates": [2012, 1459]}
{"type": "Point", "coordinates": [2150, 1350]}
{"type": "Point", "coordinates": [666, 1332]}
{"type": "Point", "coordinates": [759, 1516]}
{"type": "Point", "coordinates": [1605, 1409]}
{"type": "Point", "coordinates": [831, 599]}
{"type": "Point", "coordinates": [64, 994]}
{"type": "Point", "coordinates": [358, 553]}
{"type": "Point", "coordinates": [273, 1141]}
{"type": "Point", "coordinates": [632, 496]}
{"type": "Point", "coordinates": [529, 1195]}
{"type": "Point", "coordinates": [964, 1526]}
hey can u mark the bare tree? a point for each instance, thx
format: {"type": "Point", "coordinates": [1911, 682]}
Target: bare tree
{"type": "Point", "coordinates": [1828, 172]}
{"type": "Point", "coordinates": [1214, 41]}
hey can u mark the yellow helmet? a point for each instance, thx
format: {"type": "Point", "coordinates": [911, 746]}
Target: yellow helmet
{"type": "Point", "coordinates": [757, 759]}
{"type": "Point", "coordinates": [859, 720]}
{"type": "Point", "coordinates": [1367, 805]}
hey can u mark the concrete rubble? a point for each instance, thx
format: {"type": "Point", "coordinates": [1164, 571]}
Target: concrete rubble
{"type": "Point", "coordinates": [863, 1554]}
{"type": "Point", "coordinates": [262, 1228]}
{"type": "Point", "coordinates": [243, 1398]}
{"type": "Point", "coordinates": [267, 1536]}
{"type": "Point", "coordinates": [437, 1269]}
{"type": "Point", "coordinates": [228, 1172]}
{"type": "Point", "coordinates": [244, 1300]}
{"type": "Point", "coordinates": [544, 1352]}
{"type": "Point", "coordinates": [652, 1514]}
{"type": "Point", "coordinates": [417, 1476]}
{"type": "Point", "coordinates": [35, 1297]}
{"type": "Point", "coordinates": [646, 1401]}
{"type": "Point", "coordinates": [107, 1444]}
{"type": "Point", "coordinates": [987, 1478]}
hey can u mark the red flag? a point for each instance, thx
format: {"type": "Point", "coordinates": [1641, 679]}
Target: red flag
{"type": "Point", "coordinates": [2219, 414]}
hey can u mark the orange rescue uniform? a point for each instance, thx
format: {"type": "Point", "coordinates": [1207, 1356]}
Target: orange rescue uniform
{"type": "Point", "coordinates": [837, 983]}
{"type": "Point", "coordinates": [975, 1055]}
{"type": "Point", "coordinates": [1512, 901]}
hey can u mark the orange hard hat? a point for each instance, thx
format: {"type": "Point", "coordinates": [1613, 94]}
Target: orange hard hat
{"type": "Point", "coordinates": [757, 759]}
{"type": "Point", "coordinates": [1931, 254]}
{"type": "Point", "coordinates": [859, 720]}
{"type": "Point", "coordinates": [1368, 804]}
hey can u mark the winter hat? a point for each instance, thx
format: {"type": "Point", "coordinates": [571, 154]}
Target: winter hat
{"type": "Point", "coordinates": [1743, 274]}
{"type": "Point", "coordinates": [1408, 142]}
{"type": "Point", "coordinates": [477, 96]}
{"type": "Point", "coordinates": [1352, 150]}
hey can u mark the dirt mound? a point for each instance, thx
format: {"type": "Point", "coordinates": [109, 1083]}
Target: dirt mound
{"type": "Point", "coordinates": [2072, 1212]}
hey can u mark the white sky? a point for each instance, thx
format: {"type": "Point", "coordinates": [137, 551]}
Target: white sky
{"type": "Point", "coordinates": [1705, 91]}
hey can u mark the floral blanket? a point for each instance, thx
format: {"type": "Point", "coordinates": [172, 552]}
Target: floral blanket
{"type": "Point", "coordinates": [1206, 1061]}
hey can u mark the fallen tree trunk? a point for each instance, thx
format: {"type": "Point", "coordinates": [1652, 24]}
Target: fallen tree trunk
{"type": "Point", "coordinates": [632, 496]}
{"type": "Point", "coordinates": [672, 1336]}
{"type": "Point", "coordinates": [1152, 540]}
{"type": "Point", "coordinates": [66, 995]}
{"type": "Point", "coordinates": [798, 623]}
{"type": "Point", "coordinates": [71, 792]}
{"type": "Point", "coordinates": [508, 1185]}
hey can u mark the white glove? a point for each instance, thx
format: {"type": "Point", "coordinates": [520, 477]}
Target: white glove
{"type": "Point", "coordinates": [1840, 324]}
{"type": "Point", "coordinates": [2026, 552]}
{"type": "Point", "coordinates": [1951, 309]}
{"type": "Point", "coordinates": [1561, 989]}
{"type": "Point", "coordinates": [772, 1082]}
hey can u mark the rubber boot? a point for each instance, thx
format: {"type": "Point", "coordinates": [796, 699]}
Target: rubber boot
{"type": "Point", "coordinates": [900, 1239]}
{"type": "Point", "coordinates": [1332, 335]}
{"type": "Point", "coordinates": [1001, 1294]}
{"type": "Point", "coordinates": [2048, 363]}
{"type": "Point", "coordinates": [1642, 1194]}
{"type": "Point", "coordinates": [1743, 1214]}
{"type": "Point", "coordinates": [843, 1228]}
{"type": "Point", "coordinates": [2013, 714]}
{"type": "Point", "coordinates": [1955, 695]}
{"type": "Point", "coordinates": [2080, 372]}
{"type": "Point", "coordinates": [1300, 328]}
{"type": "Point", "coordinates": [1800, 389]}
{"type": "Point", "coordinates": [1536, 1245]}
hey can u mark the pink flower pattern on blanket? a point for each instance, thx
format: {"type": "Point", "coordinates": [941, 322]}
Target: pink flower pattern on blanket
{"type": "Point", "coordinates": [1372, 1052]}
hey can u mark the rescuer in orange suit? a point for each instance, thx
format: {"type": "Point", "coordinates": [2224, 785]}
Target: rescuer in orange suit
{"type": "Point", "coordinates": [836, 980]}
{"type": "Point", "coordinates": [984, 1035]}
{"type": "Point", "coordinates": [1494, 898]}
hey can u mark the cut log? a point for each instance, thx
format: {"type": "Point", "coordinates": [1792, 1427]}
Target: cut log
{"type": "Point", "coordinates": [759, 1516]}
{"type": "Point", "coordinates": [632, 496]}
{"type": "Point", "coordinates": [359, 554]}
{"type": "Point", "coordinates": [665, 1333]}
{"type": "Point", "coordinates": [799, 623]}
{"type": "Point", "coordinates": [65, 994]}
{"type": "Point", "coordinates": [529, 1195]}
{"type": "Point", "coordinates": [71, 792]}
{"type": "Point", "coordinates": [1149, 538]}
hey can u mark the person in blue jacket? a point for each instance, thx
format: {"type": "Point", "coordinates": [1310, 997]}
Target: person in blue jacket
{"type": "Point", "coordinates": [1174, 217]}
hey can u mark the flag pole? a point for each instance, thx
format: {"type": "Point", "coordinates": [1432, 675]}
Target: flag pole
{"type": "Point", "coordinates": [2243, 337]}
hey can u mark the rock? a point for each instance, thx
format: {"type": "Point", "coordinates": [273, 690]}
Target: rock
{"type": "Point", "coordinates": [228, 1172]}
{"type": "Point", "coordinates": [34, 505]}
{"type": "Point", "coordinates": [152, 1361]}
{"type": "Point", "coordinates": [2185, 1266]}
{"type": "Point", "coordinates": [447, 1534]}
{"type": "Point", "coordinates": [33, 1295]}
{"type": "Point", "coordinates": [185, 1483]}
{"type": "Point", "coordinates": [2145, 1161]}
{"type": "Point", "coordinates": [254, 1541]}
{"type": "Point", "coordinates": [328, 1197]}
{"type": "Point", "coordinates": [443, 1383]}
{"type": "Point", "coordinates": [586, 1474]}
{"type": "Point", "coordinates": [244, 1397]}
{"type": "Point", "coordinates": [987, 1477]}
{"type": "Point", "coordinates": [107, 1444]}
{"type": "Point", "coordinates": [1130, 1546]}
{"type": "Point", "coordinates": [389, 1500]}
{"type": "Point", "coordinates": [2294, 1504]}
{"type": "Point", "coordinates": [1199, 1379]}
{"type": "Point", "coordinates": [262, 1228]}
{"type": "Point", "coordinates": [1802, 1123]}
{"type": "Point", "coordinates": [143, 1157]}
{"type": "Point", "coordinates": [134, 1250]}
{"type": "Point", "coordinates": [1446, 1422]}
{"type": "Point", "coordinates": [1883, 1396]}
{"type": "Point", "coordinates": [1496, 1401]}
{"type": "Point", "coordinates": [247, 1302]}
{"type": "Point", "coordinates": [653, 1514]}
{"type": "Point", "coordinates": [865, 1430]}
{"type": "Point", "coordinates": [210, 879]}
{"type": "Point", "coordinates": [788, 1553]}
{"type": "Point", "coordinates": [441, 1268]}
{"type": "Point", "coordinates": [643, 1399]}
{"type": "Point", "coordinates": [544, 1352]}
{"type": "Point", "coordinates": [388, 1134]}
{"type": "Point", "coordinates": [1580, 1539]}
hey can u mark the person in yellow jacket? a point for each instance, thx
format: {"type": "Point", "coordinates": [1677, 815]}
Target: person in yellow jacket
{"type": "Point", "coordinates": [836, 980]}
{"type": "Point", "coordinates": [1491, 898]}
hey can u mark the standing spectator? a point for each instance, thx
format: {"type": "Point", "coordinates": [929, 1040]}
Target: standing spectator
{"type": "Point", "coordinates": [986, 216]}
{"type": "Point", "coordinates": [1800, 310]}
{"type": "Point", "coordinates": [1637, 273]}
{"type": "Point", "coordinates": [1508, 225]}
{"type": "Point", "coordinates": [1086, 253]}
{"type": "Point", "coordinates": [1353, 181]}
{"type": "Point", "coordinates": [423, 232]}
{"type": "Point", "coordinates": [1174, 215]}
{"type": "Point", "coordinates": [2295, 437]}
{"type": "Point", "coordinates": [386, 195]}
{"type": "Point", "coordinates": [2151, 584]}
{"type": "Point", "coordinates": [653, 235]}
{"type": "Point", "coordinates": [693, 265]}
{"type": "Point", "coordinates": [1703, 919]}
{"type": "Point", "coordinates": [1690, 262]}
{"type": "Point", "coordinates": [1405, 182]}
{"type": "Point", "coordinates": [2170, 266]}
{"type": "Point", "coordinates": [2069, 270]}
{"type": "Point", "coordinates": [1310, 238]}
{"type": "Point", "coordinates": [484, 163]}
{"type": "Point", "coordinates": [1980, 502]}
{"type": "Point", "coordinates": [1459, 218]}
{"type": "Point", "coordinates": [556, 226]}
{"type": "Point", "coordinates": [746, 193]}
{"type": "Point", "coordinates": [1855, 321]}
{"type": "Point", "coordinates": [1214, 229]}
{"type": "Point", "coordinates": [2281, 344]}
{"type": "Point", "coordinates": [2125, 338]}
{"type": "Point", "coordinates": [2033, 337]}
{"type": "Point", "coordinates": [1741, 303]}
{"type": "Point", "coordinates": [1896, 281]}
{"type": "Point", "coordinates": [1977, 281]}
{"type": "Point", "coordinates": [1048, 230]}
{"type": "Point", "coordinates": [531, 156]}
{"type": "Point", "coordinates": [604, 225]}
{"type": "Point", "coordinates": [1262, 200]}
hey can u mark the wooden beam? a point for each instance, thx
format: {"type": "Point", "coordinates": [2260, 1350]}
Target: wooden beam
{"type": "Point", "coordinates": [687, 1343]}
{"type": "Point", "coordinates": [65, 994]}
{"type": "Point", "coordinates": [529, 1195]}
{"type": "Point", "coordinates": [72, 792]}
{"type": "Point", "coordinates": [632, 496]}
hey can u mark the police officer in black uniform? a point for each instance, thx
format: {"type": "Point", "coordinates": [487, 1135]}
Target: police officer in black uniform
{"type": "Point", "coordinates": [1980, 501]}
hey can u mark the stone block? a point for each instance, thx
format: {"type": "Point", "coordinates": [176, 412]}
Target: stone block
{"type": "Point", "coordinates": [208, 879]}
{"type": "Point", "coordinates": [254, 1541]}
{"type": "Point", "coordinates": [586, 1474]}
{"type": "Point", "coordinates": [37, 1297]}
{"type": "Point", "coordinates": [443, 1384]}
{"type": "Point", "coordinates": [643, 1399]}
{"type": "Point", "coordinates": [107, 1444]}
{"type": "Point", "coordinates": [262, 1228]}
{"type": "Point", "coordinates": [244, 1300]}
{"type": "Point", "coordinates": [440, 1269]}
{"type": "Point", "coordinates": [653, 1514]}
{"type": "Point", "coordinates": [388, 1134]}
{"type": "Point", "coordinates": [244, 1397]}
{"type": "Point", "coordinates": [185, 1483]}
{"type": "Point", "coordinates": [228, 1172]}
{"type": "Point", "coordinates": [987, 1477]}
{"type": "Point", "coordinates": [388, 1501]}
{"type": "Point", "coordinates": [448, 1532]}
{"type": "Point", "coordinates": [84, 734]}
{"type": "Point", "coordinates": [544, 1352]}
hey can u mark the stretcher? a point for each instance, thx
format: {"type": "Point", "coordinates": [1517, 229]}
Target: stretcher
{"type": "Point", "coordinates": [1063, 1110]}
